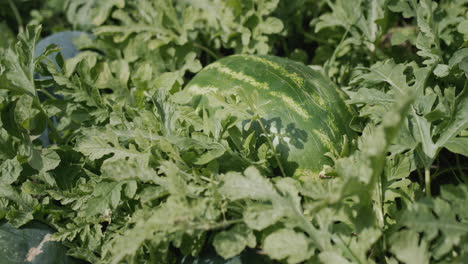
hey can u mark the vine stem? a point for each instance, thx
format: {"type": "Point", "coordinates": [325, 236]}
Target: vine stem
{"type": "Point", "coordinates": [427, 179]}
{"type": "Point", "coordinates": [280, 165]}
{"type": "Point", "coordinates": [17, 15]}
{"type": "Point", "coordinates": [460, 168]}
{"type": "Point", "coordinates": [316, 39]}
{"type": "Point", "coordinates": [46, 93]}
{"type": "Point", "coordinates": [207, 50]}
{"type": "Point", "coordinates": [444, 170]}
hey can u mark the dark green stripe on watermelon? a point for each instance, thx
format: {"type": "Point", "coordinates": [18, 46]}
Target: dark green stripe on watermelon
{"type": "Point", "coordinates": [310, 107]}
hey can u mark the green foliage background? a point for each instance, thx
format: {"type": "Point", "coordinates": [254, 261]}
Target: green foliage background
{"type": "Point", "coordinates": [134, 177]}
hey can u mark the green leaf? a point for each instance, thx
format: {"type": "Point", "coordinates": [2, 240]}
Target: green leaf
{"type": "Point", "coordinates": [260, 216]}
{"type": "Point", "coordinates": [458, 145]}
{"type": "Point", "coordinates": [442, 70]}
{"type": "Point", "coordinates": [284, 196]}
{"type": "Point", "coordinates": [459, 120]}
{"type": "Point", "coordinates": [428, 40]}
{"type": "Point", "coordinates": [251, 185]}
{"type": "Point", "coordinates": [408, 248]}
{"type": "Point", "coordinates": [21, 206]}
{"type": "Point", "coordinates": [106, 196]}
{"type": "Point", "coordinates": [165, 223]}
{"type": "Point", "coordinates": [100, 142]}
{"type": "Point", "coordinates": [332, 257]}
{"type": "Point", "coordinates": [210, 155]}
{"type": "Point", "coordinates": [44, 160]}
{"type": "Point", "coordinates": [298, 248]}
{"type": "Point", "coordinates": [464, 65]}
{"type": "Point", "coordinates": [21, 63]}
{"type": "Point", "coordinates": [462, 27]}
{"type": "Point", "coordinates": [457, 196]}
{"type": "Point", "coordinates": [403, 7]}
{"type": "Point", "coordinates": [436, 220]}
{"type": "Point", "coordinates": [232, 242]}
{"type": "Point", "coordinates": [10, 170]}
{"type": "Point", "coordinates": [192, 245]}
{"type": "Point", "coordinates": [371, 96]}
{"type": "Point", "coordinates": [271, 25]}
{"type": "Point", "coordinates": [86, 13]}
{"type": "Point", "coordinates": [25, 111]}
{"type": "Point", "coordinates": [132, 169]}
{"type": "Point", "coordinates": [387, 72]}
{"type": "Point", "coordinates": [457, 57]}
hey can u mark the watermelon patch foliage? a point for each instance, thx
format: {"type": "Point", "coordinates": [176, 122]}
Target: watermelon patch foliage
{"type": "Point", "coordinates": [240, 131]}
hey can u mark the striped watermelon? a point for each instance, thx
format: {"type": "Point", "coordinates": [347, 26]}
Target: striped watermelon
{"type": "Point", "coordinates": [304, 110]}
{"type": "Point", "coordinates": [31, 244]}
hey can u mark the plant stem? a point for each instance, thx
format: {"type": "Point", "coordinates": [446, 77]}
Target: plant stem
{"type": "Point", "coordinates": [46, 93]}
{"type": "Point", "coordinates": [207, 50]}
{"type": "Point", "coordinates": [338, 47]}
{"type": "Point", "coordinates": [221, 225]}
{"type": "Point", "coordinates": [444, 170]}
{"type": "Point", "coordinates": [381, 194]}
{"type": "Point", "coordinates": [459, 167]}
{"type": "Point", "coordinates": [420, 176]}
{"type": "Point", "coordinates": [427, 179]}
{"type": "Point", "coordinates": [272, 147]}
{"type": "Point", "coordinates": [316, 39]}
{"type": "Point", "coordinates": [19, 21]}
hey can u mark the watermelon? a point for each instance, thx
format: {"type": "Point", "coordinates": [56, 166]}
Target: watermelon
{"type": "Point", "coordinates": [246, 257]}
{"type": "Point", "coordinates": [303, 111]}
{"type": "Point", "coordinates": [31, 244]}
{"type": "Point", "coordinates": [64, 40]}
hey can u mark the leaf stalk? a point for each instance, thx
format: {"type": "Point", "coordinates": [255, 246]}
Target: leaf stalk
{"type": "Point", "coordinates": [427, 180]}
